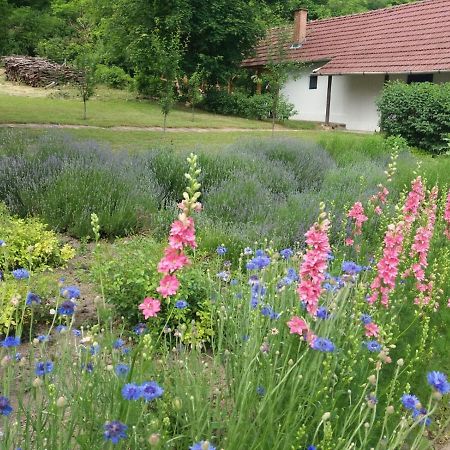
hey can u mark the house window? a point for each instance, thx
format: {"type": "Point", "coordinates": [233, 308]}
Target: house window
{"type": "Point", "coordinates": [420, 78]}
{"type": "Point", "coordinates": [313, 81]}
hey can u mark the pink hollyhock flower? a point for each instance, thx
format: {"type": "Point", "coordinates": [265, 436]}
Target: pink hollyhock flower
{"type": "Point", "coordinates": [173, 260]}
{"type": "Point", "coordinates": [150, 307]}
{"type": "Point", "coordinates": [372, 329]}
{"type": "Point", "coordinates": [297, 325]}
{"type": "Point", "coordinates": [312, 269]}
{"type": "Point", "coordinates": [413, 201]}
{"type": "Point", "coordinates": [168, 286]}
{"type": "Point", "coordinates": [182, 234]}
{"type": "Point", "coordinates": [378, 210]}
{"type": "Point", "coordinates": [349, 241]}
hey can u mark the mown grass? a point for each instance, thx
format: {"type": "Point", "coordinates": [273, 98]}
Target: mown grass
{"type": "Point", "coordinates": [109, 113]}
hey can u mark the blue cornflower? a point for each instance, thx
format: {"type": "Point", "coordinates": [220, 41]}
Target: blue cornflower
{"type": "Point", "coordinates": [95, 349]}
{"type": "Point", "coordinates": [181, 304]}
{"type": "Point", "coordinates": [260, 261]}
{"type": "Point", "coordinates": [11, 341]}
{"type": "Point", "coordinates": [125, 350]}
{"type": "Point", "coordinates": [70, 292]}
{"type": "Point", "coordinates": [61, 328]}
{"type": "Point", "coordinates": [366, 319]}
{"type": "Point", "coordinates": [43, 338]}
{"type": "Point", "coordinates": [140, 328]}
{"type": "Point", "coordinates": [260, 391]}
{"type": "Point", "coordinates": [221, 250]}
{"type": "Point", "coordinates": [151, 390]}
{"type": "Point", "coordinates": [115, 431]}
{"type": "Point", "coordinates": [202, 445]}
{"type": "Point", "coordinates": [5, 407]}
{"type": "Point", "coordinates": [248, 251]}
{"type": "Point", "coordinates": [266, 311]}
{"type": "Point", "coordinates": [410, 401]}
{"type": "Point", "coordinates": [286, 253]}
{"type": "Point", "coordinates": [322, 313]}
{"type": "Point", "coordinates": [419, 414]}
{"type": "Point", "coordinates": [67, 308]}
{"type": "Point", "coordinates": [20, 274]}
{"type": "Point", "coordinates": [131, 391]}
{"type": "Point", "coordinates": [121, 369]}
{"type": "Point", "coordinates": [373, 346]}
{"type": "Point", "coordinates": [323, 345]}
{"type": "Point", "coordinates": [330, 256]}
{"type": "Point", "coordinates": [351, 267]}
{"type": "Point", "coordinates": [311, 447]}
{"type": "Point", "coordinates": [76, 332]}
{"type": "Point", "coordinates": [438, 381]}
{"type": "Point", "coordinates": [234, 282]}
{"type": "Point", "coordinates": [372, 400]}
{"type": "Point", "coordinates": [43, 368]}
{"type": "Point", "coordinates": [32, 298]}
{"type": "Point", "coordinates": [224, 276]}
{"type": "Point", "coordinates": [118, 343]}
{"type": "Point", "coordinates": [89, 367]}
{"type": "Point", "coordinates": [292, 274]}
{"type": "Point", "coordinates": [18, 356]}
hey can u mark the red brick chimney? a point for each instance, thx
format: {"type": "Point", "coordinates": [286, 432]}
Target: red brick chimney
{"type": "Point", "coordinates": [300, 19]}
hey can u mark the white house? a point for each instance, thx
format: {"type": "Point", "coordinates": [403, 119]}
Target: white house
{"type": "Point", "coordinates": [348, 59]}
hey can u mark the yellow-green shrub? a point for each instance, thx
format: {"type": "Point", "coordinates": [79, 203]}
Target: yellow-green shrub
{"type": "Point", "coordinates": [30, 244]}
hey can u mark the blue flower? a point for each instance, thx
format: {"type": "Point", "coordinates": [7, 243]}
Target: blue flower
{"type": "Point", "coordinates": [286, 253]}
{"type": "Point", "coordinates": [67, 308]}
{"type": "Point", "coordinates": [248, 251]}
{"type": "Point", "coordinates": [373, 346]}
{"type": "Point", "coordinates": [95, 349]}
{"type": "Point", "coordinates": [125, 350]}
{"type": "Point", "coordinates": [224, 276]}
{"type": "Point", "coordinates": [292, 274]}
{"type": "Point", "coordinates": [70, 292]}
{"type": "Point", "coordinates": [323, 345]}
{"type": "Point", "coordinates": [322, 313]}
{"type": "Point", "coordinates": [32, 298]}
{"type": "Point", "coordinates": [76, 332]}
{"type": "Point", "coordinates": [131, 391]}
{"type": "Point", "coordinates": [20, 274]}
{"type": "Point", "coordinates": [351, 267]}
{"type": "Point", "coordinates": [410, 401]}
{"type": "Point", "coordinates": [118, 343]}
{"type": "Point", "coordinates": [202, 445]}
{"type": "Point", "coordinates": [5, 407]}
{"type": "Point", "coordinates": [11, 341]}
{"type": "Point", "coordinates": [18, 356]}
{"type": "Point", "coordinates": [89, 367]}
{"type": "Point", "coordinates": [115, 431]}
{"type": "Point", "coordinates": [61, 328]}
{"type": "Point", "coordinates": [151, 390]}
{"type": "Point", "coordinates": [366, 319]}
{"type": "Point", "coordinates": [260, 261]}
{"type": "Point", "coordinates": [438, 381]}
{"type": "Point", "coordinates": [221, 250]}
{"type": "Point", "coordinates": [121, 369]}
{"type": "Point", "coordinates": [419, 414]}
{"type": "Point", "coordinates": [268, 311]}
{"type": "Point", "coordinates": [372, 400]}
{"type": "Point", "coordinates": [43, 368]}
{"type": "Point", "coordinates": [181, 304]}
{"type": "Point", "coordinates": [311, 447]}
{"type": "Point", "coordinates": [140, 328]}
{"type": "Point", "coordinates": [234, 282]}
{"type": "Point", "coordinates": [260, 391]}
{"type": "Point", "coordinates": [43, 338]}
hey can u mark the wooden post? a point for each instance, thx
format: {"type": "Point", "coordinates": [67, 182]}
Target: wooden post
{"type": "Point", "coordinates": [327, 113]}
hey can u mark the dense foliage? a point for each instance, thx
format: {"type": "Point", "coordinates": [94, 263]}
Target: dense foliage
{"type": "Point", "coordinates": [419, 112]}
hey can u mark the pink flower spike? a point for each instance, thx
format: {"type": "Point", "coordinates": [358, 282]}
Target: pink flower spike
{"type": "Point", "coordinates": [168, 286]}
{"type": "Point", "coordinates": [150, 307]}
{"type": "Point", "coordinates": [372, 330]}
{"type": "Point", "coordinates": [297, 325]}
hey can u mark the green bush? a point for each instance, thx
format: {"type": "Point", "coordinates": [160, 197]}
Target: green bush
{"type": "Point", "coordinates": [239, 104]}
{"type": "Point", "coordinates": [114, 77]}
{"type": "Point", "coordinates": [127, 271]}
{"type": "Point", "coordinates": [28, 243]}
{"type": "Point", "coordinates": [419, 112]}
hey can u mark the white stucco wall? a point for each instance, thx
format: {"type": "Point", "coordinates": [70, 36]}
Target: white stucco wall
{"type": "Point", "coordinates": [352, 98]}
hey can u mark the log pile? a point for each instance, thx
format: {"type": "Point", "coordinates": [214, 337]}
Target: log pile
{"type": "Point", "coordinates": [39, 72]}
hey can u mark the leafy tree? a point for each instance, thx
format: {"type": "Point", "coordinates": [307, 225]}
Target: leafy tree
{"type": "Point", "coordinates": [86, 62]}
{"type": "Point", "coordinates": [194, 83]}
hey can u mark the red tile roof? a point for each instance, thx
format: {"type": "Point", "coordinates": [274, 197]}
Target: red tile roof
{"type": "Point", "coordinates": [414, 37]}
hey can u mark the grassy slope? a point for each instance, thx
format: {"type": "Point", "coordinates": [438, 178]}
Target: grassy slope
{"type": "Point", "coordinates": [108, 113]}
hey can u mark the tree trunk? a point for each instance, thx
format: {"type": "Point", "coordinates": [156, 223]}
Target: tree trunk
{"type": "Point", "coordinates": [84, 109]}
{"type": "Point", "coordinates": [165, 121]}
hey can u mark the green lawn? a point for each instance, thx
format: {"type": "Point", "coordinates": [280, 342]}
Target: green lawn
{"type": "Point", "coordinates": [111, 112]}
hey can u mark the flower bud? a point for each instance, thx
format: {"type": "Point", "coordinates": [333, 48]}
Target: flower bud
{"type": "Point", "coordinates": [61, 402]}
{"type": "Point", "coordinates": [390, 409]}
{"type": "Point", "coordinates": [153, 440]}
{"type": "Point", "coordinates": [326, 416]}
{"type": "Point", "coordinates": [177, 404]}
{"type": "Point", "coordinates": [372, 379]}
{"type": "Point", "coordinates": [37, 382]}
{"type": "Point", "coordinates": [400, 362]}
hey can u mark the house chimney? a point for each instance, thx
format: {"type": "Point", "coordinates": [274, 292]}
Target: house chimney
{"type": "Point", "coordinates": [300, 19]}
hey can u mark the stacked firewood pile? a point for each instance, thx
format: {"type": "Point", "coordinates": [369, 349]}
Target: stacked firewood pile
{"type": "Point", "coordinates": [39, 72]}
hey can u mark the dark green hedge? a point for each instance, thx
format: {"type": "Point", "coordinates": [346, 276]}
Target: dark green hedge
{"type": "Point", "coordinates": [419, 112]}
